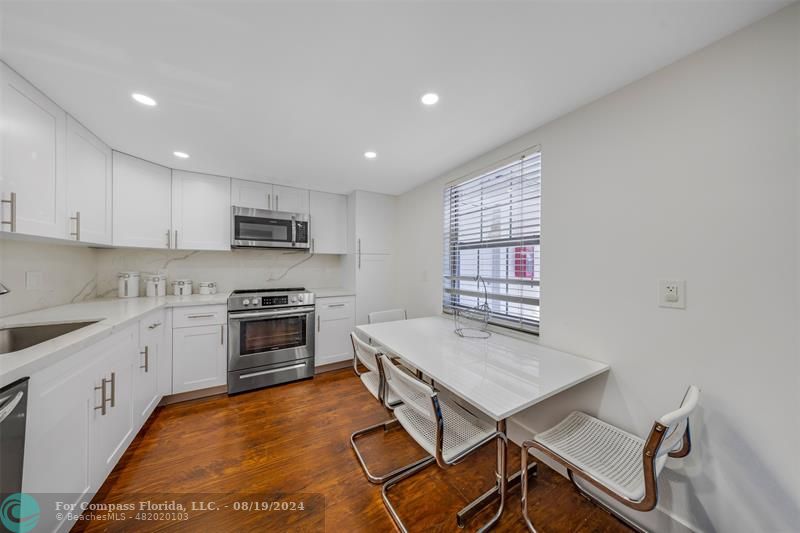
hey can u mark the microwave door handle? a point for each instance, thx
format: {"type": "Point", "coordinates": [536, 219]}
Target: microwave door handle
{"type": "Point", "coordinates": [294, 231]}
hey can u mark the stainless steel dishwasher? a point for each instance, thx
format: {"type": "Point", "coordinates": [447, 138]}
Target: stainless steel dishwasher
{"type": "Point", "coordinates": [13, 404]}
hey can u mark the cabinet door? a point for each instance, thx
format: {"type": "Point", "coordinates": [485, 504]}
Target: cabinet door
{"type": "Point", "coordinates": [33, 145]}
{"type": "Point", "coordinates": [89, 194]}
{"type": "Point", "coordinates": [141, 203]}
{"type": "Point", "coordinates": [201, 211]}
{"type": "Point", "coordinates": [251, 194]}
{"type": "Point", "coordinates": [374, 285]}
{"type": "Point", "coordinates": [374, 223]}
{"type": "Point", "coordinates": [56, 465]}
{"type": "Point", "coordinates": [335, 320]}
{"type": "Point", "coordinates": [290, 199]}
{"type": "Point", "coordinates": [146, 394]}
{"type": "Point", "coordinates": [110, 433]}
{"type": "Point", "coordinates": [199, 358]}
{"type": "Point", "coordinates": [328, 223]}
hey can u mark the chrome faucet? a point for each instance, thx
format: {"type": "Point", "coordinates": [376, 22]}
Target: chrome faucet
{"type": "Point", "coordinates": [4, 289]}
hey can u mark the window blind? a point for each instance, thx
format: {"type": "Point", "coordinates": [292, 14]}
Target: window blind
{"type": "Point", "coordinates": [492, 230]}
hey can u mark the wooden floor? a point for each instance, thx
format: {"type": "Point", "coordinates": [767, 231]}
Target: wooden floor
{"type": "Point", "coordinates": [291, 444]}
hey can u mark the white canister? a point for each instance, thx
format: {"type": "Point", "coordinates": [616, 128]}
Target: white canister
{"type": "Point", "coordinates": [155, 284]}
{"type": "Point", "coordinates": [207, 287]}
{"type": "Point", "coordinates": [182, 287]}
{"type": "Point", "coordinates": [128, 285]}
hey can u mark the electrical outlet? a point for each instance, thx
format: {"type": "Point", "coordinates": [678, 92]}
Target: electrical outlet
{"type": "Point", "coordinates": [34, 280]}
{"type": "Point", "coordinates": [672, 293]}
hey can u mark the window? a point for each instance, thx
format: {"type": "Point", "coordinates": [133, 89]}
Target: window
{"type": "Point", "coordinates": [492, 230]}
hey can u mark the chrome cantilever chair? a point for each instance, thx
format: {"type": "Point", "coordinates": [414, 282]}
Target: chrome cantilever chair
{"type": "Point", "coordinates": [445, 430]}
{"type": "Point", "coordinates": [614, 461]}
{"type": "Point", "coordinates": [375, 383]}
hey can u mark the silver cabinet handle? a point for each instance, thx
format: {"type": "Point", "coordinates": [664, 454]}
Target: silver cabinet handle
{"type": "Point", "coordinates": [276, 203]}
{"type": "Point", "coordinates": [210, 315]}
{"type": "Point", "coordinates": [113, 388]}
{"type": "Point", "coordinates": [169, 239]}
{"type": "Point", "coordinates": [176, 239]}
{"type": "Point", "coordinates": [77, 219]}
{"type": "Point", "coordinates": [269, 201]}
{"type": "Point", "coordinates": [359, 253]}
{"type": "Point", "coordinates": [318, 323]}
{"type": "Point", "coordinates": [102, 389]}
{"type": "Point", "coordinates": [146, 354]}
{"type": "Point", "coordinates": [13, 221]}
{"type": "Point", "coordinates": [7, 408]}
{"type": "Point", "coordinates": [335, 305]}
{"type": "Point", "coordinates": [221, 334]}
{"type": "Point", "coordinates": [154, 325]}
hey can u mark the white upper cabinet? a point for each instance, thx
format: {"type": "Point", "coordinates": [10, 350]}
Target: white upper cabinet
{"type": "Point", "coordinates": [89, 191]}
{"type": "Point", "coordinates": [201, 211]}
{"type": "Point", "coordinates": [142, 203]}
{"type": "Point", "coordinates": [259, 195]}
{"type": "Point", "coordinates": [290, 199]}
{"type": "Point", "coordinates": [328, 223]}
{"type": "Point", "coordinates": [372, 216]}
{"type": "Point", "coordinates": [33, 145]}
{"type": "Point", "coordinates": [251, 194]}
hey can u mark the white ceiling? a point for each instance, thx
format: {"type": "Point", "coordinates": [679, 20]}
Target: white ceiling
{"type": "Point", "coordinates": [295, 92]}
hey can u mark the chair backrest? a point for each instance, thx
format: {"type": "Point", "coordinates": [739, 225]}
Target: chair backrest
{"type": "Point", "coordinates": [366, 354]}
{"type": "Point", "coordinates": [676, 424]}
{"type": "Point", "coordinates": [390, 315]}
{"type": "Point", "coordinates": [411, 391]}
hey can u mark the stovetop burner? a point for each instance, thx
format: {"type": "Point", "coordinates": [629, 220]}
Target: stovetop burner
{"type": "Point", "coordinates": [251, 291]}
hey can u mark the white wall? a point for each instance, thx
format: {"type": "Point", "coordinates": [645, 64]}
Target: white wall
{"type": "Point", "coordinates": [67, 275]}
{"type": "Point", "coordinates": [691, 173]}
{"type": "Point", "coordinates": [237, 269]}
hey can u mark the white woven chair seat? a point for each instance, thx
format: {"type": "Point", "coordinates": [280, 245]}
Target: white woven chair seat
{"type": "Point", "coordinates": [371, 381]}
{"type": "Point", "coordinates": [461, 429]}
{"type": "Point", "coordinates": [607, 453]}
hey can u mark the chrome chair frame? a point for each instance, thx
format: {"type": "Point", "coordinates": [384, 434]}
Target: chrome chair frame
{"type": "Point", "coordinates": [649, 456]}
{"type": "Point", "coordinates": [386, 425]}
{"type": "Point", "coordinates": [442, 463]}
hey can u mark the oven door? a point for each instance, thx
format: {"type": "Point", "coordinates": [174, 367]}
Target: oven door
{"type": "Point", "coordinates": [259, 338]}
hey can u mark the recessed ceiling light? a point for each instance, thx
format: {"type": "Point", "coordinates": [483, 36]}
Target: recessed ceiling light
{"type": "Point", "coordinates": [182, 155]}
{"type": "Point", "coordinates": [143, 99]}
{"type": "Point", "coordinates": [370, 155]}
{"type": "Point", "coordinates": [429, 98]}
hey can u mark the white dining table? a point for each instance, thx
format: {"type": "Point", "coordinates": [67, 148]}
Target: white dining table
{"type": "Point", "coordinates": [500, 376]}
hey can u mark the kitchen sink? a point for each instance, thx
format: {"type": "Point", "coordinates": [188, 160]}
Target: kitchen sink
{"type": "Point", "coordinates": [18, 338]}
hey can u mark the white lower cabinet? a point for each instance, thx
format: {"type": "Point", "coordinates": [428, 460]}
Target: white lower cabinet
{"type": "Point", "coordinates": [199, 353]}
{"type": "Point", "coordinates": [111, 426]}
{"type": "Point", "coordinates": [146, 379]}
{"type": "Point", "coordinates": [336, 318]}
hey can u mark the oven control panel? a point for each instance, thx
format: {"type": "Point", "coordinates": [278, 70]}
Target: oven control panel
{"type": "Point", "coordinates": [274, 300]}
{"type": "Point", "coordinates": [240, 302]}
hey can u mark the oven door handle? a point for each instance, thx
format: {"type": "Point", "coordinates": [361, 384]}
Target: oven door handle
{"type": "Point", "coordinates": [269, 314]}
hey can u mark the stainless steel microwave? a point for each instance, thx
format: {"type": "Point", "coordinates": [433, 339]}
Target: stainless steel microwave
{"type": "Point", "coordinates": [260, 228]}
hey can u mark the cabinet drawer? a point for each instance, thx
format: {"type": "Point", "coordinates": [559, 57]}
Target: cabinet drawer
{"type": "Point", "coordinates": [336, 308]}
{"type": "Point", "coordinates": [201, 315]}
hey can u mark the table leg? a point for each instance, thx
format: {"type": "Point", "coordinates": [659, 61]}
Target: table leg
{"type": "Point", "coordinates": [492, 494]}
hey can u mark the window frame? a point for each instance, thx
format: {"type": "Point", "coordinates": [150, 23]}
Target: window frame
{"type": "Point", "coordinates": [450, 280]}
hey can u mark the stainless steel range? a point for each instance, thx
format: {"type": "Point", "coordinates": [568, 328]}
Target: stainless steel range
{"type": "Point", "coordinates": [270, 337]}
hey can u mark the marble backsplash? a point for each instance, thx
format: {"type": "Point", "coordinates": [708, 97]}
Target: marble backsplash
{"type": "Point", "coordinates": [237, 269]}
{"type": "Point", "coordinates": [59, 274]}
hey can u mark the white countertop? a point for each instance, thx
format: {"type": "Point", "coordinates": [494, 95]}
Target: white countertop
{"type": "Point", "coordinates": [112, 316]}
{"type": "Point", "coordinates": [500, 375]}
{"type": "Point", "coordinates": [332, 292]}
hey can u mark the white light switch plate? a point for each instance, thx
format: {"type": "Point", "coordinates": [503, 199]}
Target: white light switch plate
{"type": "Point", "coordinates": [672, 293]}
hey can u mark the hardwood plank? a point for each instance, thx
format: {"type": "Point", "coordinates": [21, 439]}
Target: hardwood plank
{"type": "Point", "coordinates": [292, 443]}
